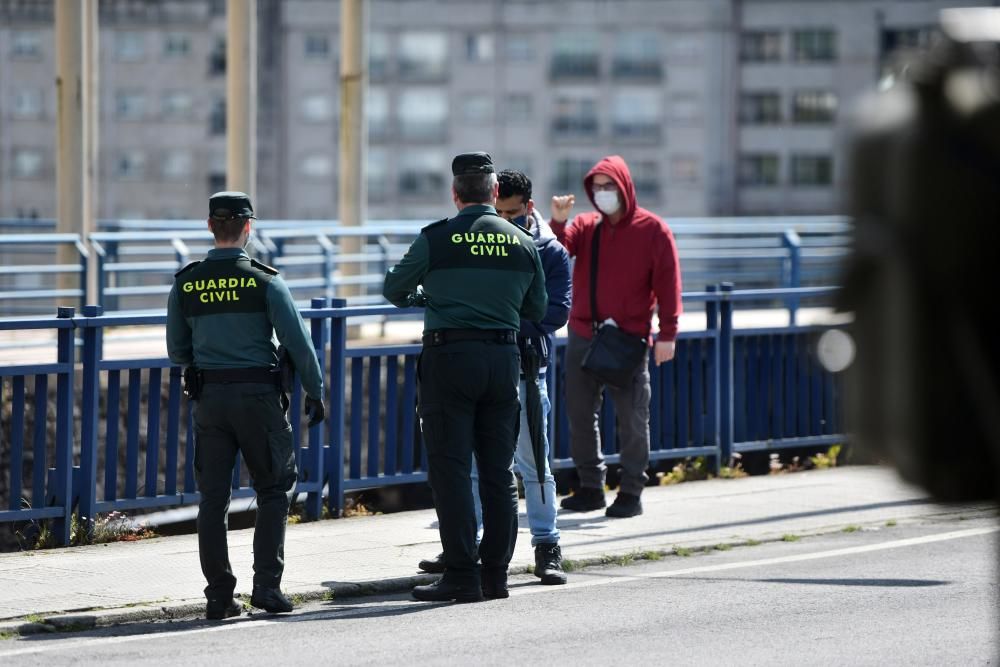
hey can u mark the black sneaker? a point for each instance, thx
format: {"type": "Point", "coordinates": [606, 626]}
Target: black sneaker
{"type": "Point", "coordinates": [446, 591]}
{"type": "Point", "coordinates": [548, 564]}
{"type": "Point", "coordinates": [626, 505]}
{"type": "Point", "coordinates": [433, 565]}
{"type": "Point", "coordinates": [584, 500]}
{"type": "Point", "coordinates": [217, 610]}
{"type": "Point", "coordinates": [270, 600]}
{"type": "Point", "coordinates": [494, 583]}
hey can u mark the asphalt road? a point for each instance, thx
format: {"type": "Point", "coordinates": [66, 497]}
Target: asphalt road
{"type": "Point", "coordinates": [916, 594]}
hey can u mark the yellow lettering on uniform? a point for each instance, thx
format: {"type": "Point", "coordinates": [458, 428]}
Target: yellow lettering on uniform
{"type": "Point", "coordinates": [199, 285]}
{"type": "Point", "coordinates": [456, 238]}
{"type": "Point", "coordinates": [490, 249]}
{"type": "Point", "coordinates": [489, 238]}
{"type": "Point", "coordinates": [516, 241]}
{"type": "Point", "coordinates": [203, 297]}
{"type": "Point", "coordinates": [470, 237]}
{"type": "Point", "coordinates": [481, 238]}
{"type": "Point", "coordinates": [187, 287]}
{"type": "Point", "coordinates": [251, 282]}
{"type": "Point", "coordinates": [234, 282]}
{"type": "Point", "coordinates": [503, 251]}
{"type": "Point", "coordinates": [474, 250]}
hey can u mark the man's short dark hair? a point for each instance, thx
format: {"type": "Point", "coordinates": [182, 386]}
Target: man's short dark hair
{"type": "Point", "coordinates": [473, 188]}
{"type": "Point", "coordinates": [513, 182]}
{"type": "Point", "coordinates": [227, 230]}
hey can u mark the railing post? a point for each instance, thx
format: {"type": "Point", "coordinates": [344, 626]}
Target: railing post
{"type": "Point", "coordinates": [87, 491]}
{"type": "Point", "coordinates": [384, 248]}
{"type": "Point", "coordinates": [82, 251]}
{"type": "Point", "coordinates": [338, 364]}
{"type": "Point", "coordinates": [711, 310]}
{"type": "Point", "coordinates": [726, 374]}
{"type": "Point", "coordinates": [61, 491]}
{"type": "Point", "coordinates": [712, 324]}
{"type": "Point", "coordinates": [793, 277]}
{"type": "Point", "coordinates": [314, 465]}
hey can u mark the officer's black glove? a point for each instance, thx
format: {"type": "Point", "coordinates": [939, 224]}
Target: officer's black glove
{"type": "Point", "coordinates": [315, 410]}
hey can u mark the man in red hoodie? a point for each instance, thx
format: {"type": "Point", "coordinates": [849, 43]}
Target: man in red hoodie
{"type": "Point", "coordinates": [638, 270]}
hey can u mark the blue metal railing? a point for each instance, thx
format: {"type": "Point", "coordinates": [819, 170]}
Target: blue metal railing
{"type": "Point", "coordinates": [726, 391]}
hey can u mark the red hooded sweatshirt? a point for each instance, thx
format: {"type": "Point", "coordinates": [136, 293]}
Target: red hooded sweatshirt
{"type": "Point", "coordinates": [638, 262]}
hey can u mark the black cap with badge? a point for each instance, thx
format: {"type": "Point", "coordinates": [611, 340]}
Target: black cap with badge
{"type": "Point", "coordinates": [468, 164]}
{"type": "Point", "coordinates": [227, 205]}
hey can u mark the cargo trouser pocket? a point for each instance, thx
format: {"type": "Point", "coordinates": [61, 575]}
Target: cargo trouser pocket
{"type": "Point", "coordinates": [282, 449]}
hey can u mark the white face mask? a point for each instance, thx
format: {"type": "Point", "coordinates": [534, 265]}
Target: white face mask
{"type": "Point", "coordinates": [607, 202]}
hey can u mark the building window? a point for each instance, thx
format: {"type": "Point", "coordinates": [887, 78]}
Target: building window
{"type": "Point", "coordinates": [423, 114]}
{"type": "Point", "coordinates": [422, 174]}
{"type": "Point", "coordinates": [316, 166]}
{"type": "Point", "coordinates": [177, 104]}
{"type": "Point", "coordinates": [423, 56]}
{"type": "Point", "coordinates": [479, 48]}
{"type": "Point", "coordinates": [477, 109]}
{"type": "Point", "coordinates": [576, 55]}
{"type": "Point", "coordinates": [519, 48]}
{"type": "Point", "coordinates": [901, 45]}
{"type": "Point", "coordinates": [27, 163]}
{"type": "Point", "coordinates": [569, 174]}
{"type": "Point", "coordinates": [177, 164]}
{"type": "Point", "coordinates": [378, 55]}
{"type": "Point", "coordinates": [176, 45]}
{"type": "Point", "coordinates": [316, 46]}
{"type": "Point", "coordinates": [814, 46]}
{"type": "Point", "coordinates": [518, 108]}
{"type": "Point", "coordinates": [760, 108]}
{"type": "Point", "coordinates": [377, 168]}
{"type": "Point", "coordinates": [130, 105]}
{"type": "Point", "coordinates": [217, 118]}
{"type": "Point", "coordinates": [317, 107]}
{"type": "Point", "coordinates": [812, 170]}
{"type": "Point", "coordinates": [377, 112]}
{"type": "Point", "coordinates": [759, 169]}
{"type": "Point", "coordinates": [216, 181]}
{"type": "Point", "coordinates": [575, 117]}
{"type": "Point", "coordinates": [685, 170]}
{"type": "Point", "coordinates": [129, 47]}
{"type": "Point", "coordinates": [760, 46]}
{"type": "Point", "coordinates": [217, 59]}
{"type": "Point", "coordinates": [814, 106]}
{"type": "Point", "coordinates": [637, 56]}
{"type": "Point", "coordinates": [686, 49]}
{"type": "Point", "coordinates": [26, 45]}
{"type": "Point", "coordinates": [685, 109]}
{"type": "Point", "coordinates": [646, 178]}
{"type": "Point", "coordinates": [27, 103]}
{"type": "Point", "coordinates": [130, 165]}
{"type": "Point", "coordinates": [637, 114]}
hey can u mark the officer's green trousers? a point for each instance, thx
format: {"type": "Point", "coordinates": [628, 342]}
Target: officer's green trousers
{"type": "Point", "coordinates": [248, 418]}
{"type": "Point", "coordinates": [468, 406]}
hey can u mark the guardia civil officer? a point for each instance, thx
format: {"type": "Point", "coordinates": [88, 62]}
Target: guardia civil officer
{"type": "Point", "coordinates": [222, 317]}
{"type": "Point", "coordinates": [477, 275]}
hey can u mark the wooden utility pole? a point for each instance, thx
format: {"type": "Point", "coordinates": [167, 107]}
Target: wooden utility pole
{"type": "Point", "coordinates": [352, 199]}
{"type": "Point", "coordinates": [241, 96]}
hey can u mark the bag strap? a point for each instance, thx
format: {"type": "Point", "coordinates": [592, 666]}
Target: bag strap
{"type": "Point", "coordinates": [594, 255]}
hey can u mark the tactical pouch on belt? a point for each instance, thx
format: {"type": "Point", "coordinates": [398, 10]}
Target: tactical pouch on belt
{"type": "Point", "coordinates": [192, 383]}
{"type": "Point", "coordinates": [287, 370]}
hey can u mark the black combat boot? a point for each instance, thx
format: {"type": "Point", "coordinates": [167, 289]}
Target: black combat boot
{"type": "Point", "coordinates": [584, 499]}
{"type": "Point", "coordinates": [227, 607]}
{"type": "Point", "coordinates": [494, 583]}
{"type": "Point", "coordinates": [548, 564]}
{"type": "Point", "coordinates": [433, 565]}
{"type": "Point", "coordinates": [445, 590]}
{"type": "Point", "coordinates": [270, 600]}
{"type": "Point", "coordinates": [626, 505]}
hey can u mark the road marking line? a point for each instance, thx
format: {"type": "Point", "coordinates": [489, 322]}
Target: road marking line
{"type": "Point", "coordinates": [528, 590]}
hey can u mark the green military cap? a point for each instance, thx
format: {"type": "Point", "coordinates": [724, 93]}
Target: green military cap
{"type": "Point", "coordinates": [472, 163]}
{"type": "Point", "coordinates": [226, 205]}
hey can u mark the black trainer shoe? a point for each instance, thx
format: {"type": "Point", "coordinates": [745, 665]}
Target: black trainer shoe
{"type": "Point", "coordinates": [446, 591]}
{"type": "Point", "coordinates": [584, 500]}
{"type": "Point", "coordinates": [433, 565]}
{"type": "Point", "coordinates": [216, 610]}
{"type": "Point", "coordinates": [548, 564]}
{"type": "Point", "coordinates": [626, 505]}
{"type": "Point", "coordinates": [270, 600]}
{"type": "Point", "coordinates": [494, 583]}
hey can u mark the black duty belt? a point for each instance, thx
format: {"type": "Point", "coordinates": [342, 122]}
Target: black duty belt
{"type": "Point", "coordinates": [257, 375]}
{"type": "Point", "coordinates": [444, 336]}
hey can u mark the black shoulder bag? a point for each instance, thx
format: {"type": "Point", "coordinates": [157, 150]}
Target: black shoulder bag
{"type": "Point", "coordinates": [613, 355]}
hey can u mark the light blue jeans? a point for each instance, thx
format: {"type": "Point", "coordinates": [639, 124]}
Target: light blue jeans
{"type": "Point", "coordinates": [541, 517]}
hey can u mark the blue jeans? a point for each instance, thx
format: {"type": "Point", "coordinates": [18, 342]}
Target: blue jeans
{"type": "Point", "coordinates": [541, 517]}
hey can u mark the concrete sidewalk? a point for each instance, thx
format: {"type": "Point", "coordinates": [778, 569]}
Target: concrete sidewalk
{"type": "Point", "coordinates": [160, 578]}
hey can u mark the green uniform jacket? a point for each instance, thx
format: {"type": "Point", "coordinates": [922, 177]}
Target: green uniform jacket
{"type": "Point", "coordinates": [225, 311]}
{"type": "Point", "coordinates": [475, 271]}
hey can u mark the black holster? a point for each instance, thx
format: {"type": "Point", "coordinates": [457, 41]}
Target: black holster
{"type": "Point", "coordinates": [286, 369]}
{"type": "Point", "coordinates": [193, 382]}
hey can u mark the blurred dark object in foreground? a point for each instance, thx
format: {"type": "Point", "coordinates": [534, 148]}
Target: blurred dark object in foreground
{"type": "Point", "coordinates": [922, 277]}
